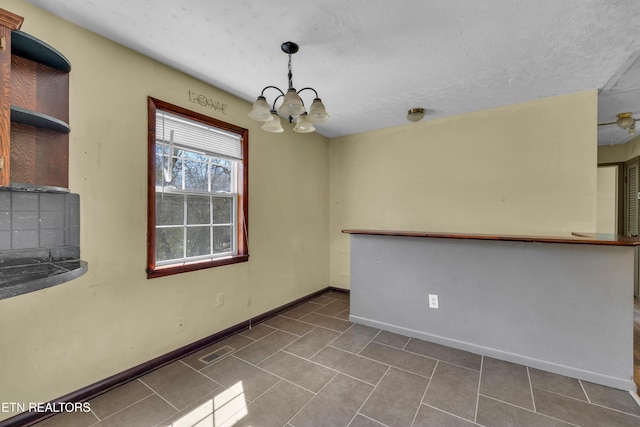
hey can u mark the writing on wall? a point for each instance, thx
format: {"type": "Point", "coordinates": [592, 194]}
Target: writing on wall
{"type": "Point", "coordinates": [198, 98]}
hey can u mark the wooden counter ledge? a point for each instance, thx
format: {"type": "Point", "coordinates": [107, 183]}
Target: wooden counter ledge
{"type": "Point", "coordinates": [575, 238]}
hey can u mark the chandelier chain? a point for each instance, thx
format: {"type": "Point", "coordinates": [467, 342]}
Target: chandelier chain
{"type": "Point", "coordinates": [290, 73]}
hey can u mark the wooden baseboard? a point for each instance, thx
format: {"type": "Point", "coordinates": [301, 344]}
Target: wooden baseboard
{"type": "Point", "coordinates": [87, 393]}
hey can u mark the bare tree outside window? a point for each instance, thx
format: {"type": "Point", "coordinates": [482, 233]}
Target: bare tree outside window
{"type": "Point", "coordinates": [197, 177]}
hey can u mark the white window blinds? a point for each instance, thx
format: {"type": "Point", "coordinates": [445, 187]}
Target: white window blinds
{"type": "Point", "coordinates": [198, 136]}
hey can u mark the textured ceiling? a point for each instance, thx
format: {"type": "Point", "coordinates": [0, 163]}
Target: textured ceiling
{"type": "Point", "coordinates": [372, 60]}
{"type": "Point", "coordinates": [620, 94]}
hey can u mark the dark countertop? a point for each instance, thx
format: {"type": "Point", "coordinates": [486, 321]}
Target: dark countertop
{"type": "Point", "coordinates": [574, 238]}
{"type": "Point", "coordinates": [26, 271]}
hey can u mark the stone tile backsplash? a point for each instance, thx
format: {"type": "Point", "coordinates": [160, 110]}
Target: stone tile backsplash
{"type": "Point", "coordinates": [38, 220]}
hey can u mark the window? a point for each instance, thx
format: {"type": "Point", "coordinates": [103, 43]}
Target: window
{"type": "Point", "coordinates": [197, 195]}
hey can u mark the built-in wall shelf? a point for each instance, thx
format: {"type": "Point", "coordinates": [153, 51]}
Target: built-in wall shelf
{"type": "Point", "coordinates": [39, 120]}
{"type": "Point", "coordinates": [34, 110]}
{"type": "Point", "coordinates": [39, 216]}
{"type": "Point", "coordinates": [29, 47]}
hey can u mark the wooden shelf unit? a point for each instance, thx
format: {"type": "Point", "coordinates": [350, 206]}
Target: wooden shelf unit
{"type": "Point", "coordinates": [34, 111]}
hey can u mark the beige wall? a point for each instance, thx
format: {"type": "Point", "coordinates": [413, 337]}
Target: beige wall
{"type": "Point", "coordinates": [63, 338]}
{"type": "Point", "coordinates": [522, 169]}
{"type": "Point", "coordinates": [619, 152]}
{"type": "Point", "coordinates": [607, 200]}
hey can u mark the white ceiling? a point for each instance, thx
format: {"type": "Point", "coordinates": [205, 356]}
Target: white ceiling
{"type": "Point", "coordinates": [620, 94]}
{"type": "Point", "coordinates": [372, 60]}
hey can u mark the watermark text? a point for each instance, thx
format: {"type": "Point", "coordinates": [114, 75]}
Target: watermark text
{"type": "Point", "coordinates": [48, 407]}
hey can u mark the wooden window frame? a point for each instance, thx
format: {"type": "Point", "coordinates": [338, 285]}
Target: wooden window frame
{"type": "Point", "coordinates": [242, 208]}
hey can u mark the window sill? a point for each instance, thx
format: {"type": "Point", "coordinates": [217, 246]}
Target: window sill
{"type": "Point", "coordinates": [167, 270]}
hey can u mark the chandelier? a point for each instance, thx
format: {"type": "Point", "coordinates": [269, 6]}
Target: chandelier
{"type": "Point", "coordinates": [291, 107]}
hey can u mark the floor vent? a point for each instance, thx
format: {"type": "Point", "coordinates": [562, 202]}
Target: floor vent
{"type": "Point", "coordinates": [215, 355]}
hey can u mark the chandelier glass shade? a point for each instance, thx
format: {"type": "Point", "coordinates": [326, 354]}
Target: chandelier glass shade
{"type": "Point", "coordinates": [317, 112]}
{"type": "Point", "coordinates": [261, 111]}
{"type": "Point", "coordinates": [291, 105]}
{"type": "Point", "coordinates": [304, 125]}
{"type": "Point", "coordinates": [273, 124]}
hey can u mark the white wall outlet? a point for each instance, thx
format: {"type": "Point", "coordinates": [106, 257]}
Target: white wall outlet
{"type": "Point", "coordinates": [220, 299]}
{"type": "Point", "coordinates": [180, 324]}
{"type": "Point", "coordinates": [433, 301]}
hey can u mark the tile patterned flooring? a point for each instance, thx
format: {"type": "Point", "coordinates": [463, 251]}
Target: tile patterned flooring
{"type": "Point", "coordinates": [311, 367]}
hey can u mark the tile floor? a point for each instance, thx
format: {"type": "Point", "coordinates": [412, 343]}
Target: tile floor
{"type": "Point", "coordinates": [311, 367]}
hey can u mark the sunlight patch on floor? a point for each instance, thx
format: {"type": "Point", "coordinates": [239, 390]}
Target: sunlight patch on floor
{"type": "Point", "coordinates": [224, 410]}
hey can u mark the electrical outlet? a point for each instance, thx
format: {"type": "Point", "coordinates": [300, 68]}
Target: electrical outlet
{"type": "Point", "coordinates": [433, 301]}
{"type": "Point", "coordinates": [180, 324]}
{"type": "Point", "coordinates": [220, 299]}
